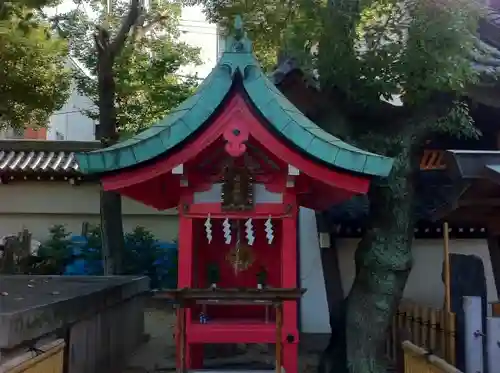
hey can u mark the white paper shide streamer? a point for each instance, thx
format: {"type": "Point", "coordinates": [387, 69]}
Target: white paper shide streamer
{"type": "Point", "coordinates": [208, 229]}
{"type": "Point", "coordinates": [269, 230]}
{"type": "Point", "coordinates": [250, 235]}
{"type": "Point", "coordinates": [226, 228]}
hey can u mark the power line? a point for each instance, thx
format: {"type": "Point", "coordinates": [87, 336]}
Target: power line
{"type": "Point", "coordinates": [196, 32]}
{"type": "Point", "coordinates": [194, 21]}
{"type": "Point", "coordinates": [198, 23]}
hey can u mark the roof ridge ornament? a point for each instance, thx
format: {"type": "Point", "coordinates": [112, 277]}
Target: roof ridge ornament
{"type": "Point", "coordinates": [237, 41]}
{"type": "Point", "coordinates": [238, 28]}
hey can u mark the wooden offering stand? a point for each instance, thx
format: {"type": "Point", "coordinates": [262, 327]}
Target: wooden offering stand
{"type": "Point", "coordinates": [186, 298]}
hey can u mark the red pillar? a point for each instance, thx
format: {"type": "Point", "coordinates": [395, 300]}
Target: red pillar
{"type": "Point", "coordinates": [184, 263]}
{"type": "Point", "coordinates": [289, 280]}
{"type": "Point", "coordinates": [194, 353]}
{"type": "Point", "coordinates": [185, 256]}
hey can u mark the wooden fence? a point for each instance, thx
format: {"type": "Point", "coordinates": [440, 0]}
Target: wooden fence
{"type": "Point", "coordinates": [418, 360]}
{"type": "Point", "coordinates": [428, 328]}
{"type": "Point", "coordinates": [49, 359]}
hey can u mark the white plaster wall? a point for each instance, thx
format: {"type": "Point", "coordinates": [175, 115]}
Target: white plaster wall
{"type": "Point", "coordinates": [424, 284]}
{"type": "Point", "coordinates": [314, 316]}
{"type": "Point", "coordinates": [38, 206]}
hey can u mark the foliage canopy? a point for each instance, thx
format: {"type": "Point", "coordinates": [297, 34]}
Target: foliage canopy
{"type": "Point", "coordinates": [147, 78]}
{"type": "Point", "coordinates": [366, 52]}
{"type": "Point", "coordinates": [33, 79]}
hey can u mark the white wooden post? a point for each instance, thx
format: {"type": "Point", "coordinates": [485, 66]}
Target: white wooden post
{"type": "Point", "coordinates": [474, 335]}
{"type": "Point", "coordinates": [493, 344]}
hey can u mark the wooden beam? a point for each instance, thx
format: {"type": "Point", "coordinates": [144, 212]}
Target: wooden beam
{"type": "Point", "coordinates": [473, 215]}
{"type": "Point", "coordinates": [446, 254]}
{"type": "Point", "coordinates": [491, 173]}
{"type": "Point", "coordinates": [479, 202]}
{"type": "Point", "coordinates": [279, 327]}
{"type": "Point", "coordinates": [494, 234]}
{"type": "Point", "coordinates": [493, 224]}
{"type": "Point", "coordinates": [458, 190]}
{"type": "Point", "coordinates": [494, 250]}
{"type": "Point", "coordinates": [470, 164]}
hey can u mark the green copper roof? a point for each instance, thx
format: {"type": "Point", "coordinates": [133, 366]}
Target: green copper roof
{"type": "Point", "coordinates": [282, 115]}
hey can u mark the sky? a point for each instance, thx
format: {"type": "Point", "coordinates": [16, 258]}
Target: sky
{"type": "Point", "coordinates": [194, 31]}
{"type": "Point", "coordinates": [66, 6]}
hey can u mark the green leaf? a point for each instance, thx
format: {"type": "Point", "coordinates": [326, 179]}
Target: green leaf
{"type": "Point", "coordinates": [147, 71]}
{"type": "Point", "coordinates": [33, 79]}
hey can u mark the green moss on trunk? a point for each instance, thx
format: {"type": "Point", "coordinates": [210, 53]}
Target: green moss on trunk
{"type": "Point", "coordinates": [383, 262]}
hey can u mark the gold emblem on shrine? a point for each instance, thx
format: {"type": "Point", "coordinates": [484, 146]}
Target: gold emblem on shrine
{"type": "Point", "coordinates": [240, 257]}
{"type": "Point", "coordinates": [237, 189]}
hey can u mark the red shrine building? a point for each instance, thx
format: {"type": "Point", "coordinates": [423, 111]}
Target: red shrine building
{"type": "Point", "coordinates": [237, 159]}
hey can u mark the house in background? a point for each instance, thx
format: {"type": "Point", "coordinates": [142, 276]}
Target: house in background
{"type": "Point", "coordinates": [68, 123]}
{"type": "Point", "coordinates": [28, 133]}
{"type": "Point", "coordinates": [71, 123]}
{"type": "Point", "coordinates": [39, 182]}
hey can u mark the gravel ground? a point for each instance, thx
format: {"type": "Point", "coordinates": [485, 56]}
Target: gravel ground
{"type": "Point", "coordinates": [158, 354]}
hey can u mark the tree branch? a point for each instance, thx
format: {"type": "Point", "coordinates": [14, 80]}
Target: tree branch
{"type": "Point", "coordinates": [156, 20]}
{"type": "Point", "coordinates": [142, 29]}
{"type": "Point", "coordinates": [421, 120]}
{"type": "Point", "coordinates": [101, 37]}
{"type": "Point", "coordinates": [129, 21]}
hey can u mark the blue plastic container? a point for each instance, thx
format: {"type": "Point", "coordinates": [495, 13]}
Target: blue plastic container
{"type": "Point", "coordinates": [166, 266]}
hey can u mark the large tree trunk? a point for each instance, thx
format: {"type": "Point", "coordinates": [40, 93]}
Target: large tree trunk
{"type": "Point", "coordinates": [383, 262]}
{"type": "Point", "coordinates": [113, 243]}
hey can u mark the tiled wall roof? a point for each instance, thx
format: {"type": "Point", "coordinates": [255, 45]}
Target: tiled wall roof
{"type": "Point", "coordinates": [38, 161]}
{"type": "Point", "coordinates": [34, 157]}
